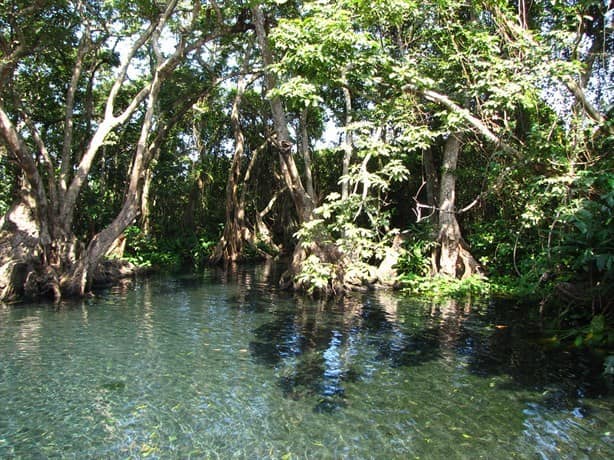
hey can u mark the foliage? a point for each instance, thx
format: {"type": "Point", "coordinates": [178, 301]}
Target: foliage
{"type": "Point", "coordinates": [415, 260]}
{"type": "Point", "coordinates": [316, 274]}
{"type": "Point", "coordinates": [356, 227]}
{"type": "Point", "coordinates": [337, 225]}
{"type": "Point", "coordinates": [166, 253]}
{"type": "Point", "coordinates": [595, 334]}
{"type": "Point", "coordinates": [441, 288]}
{"type": "Point", "coordinates": [7, 180]}
{"type": "Point", "coordinates": [143, 251]}
{"type": "Point", "coordinates": [588, 241]}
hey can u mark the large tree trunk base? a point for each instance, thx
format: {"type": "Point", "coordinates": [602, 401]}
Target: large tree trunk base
{"type": "Point", "coordinates": [315, 268]}
{"type": "Point", "coordinates": [470, 266]}
{"type": "Point", "coordinates": [22, 281]}
{"type": "Point", "coordinates": [26, 283]}
{"type": "Point", "coordinates": [21, 252]}
{"type": "Point", "coordinates": [43, 283]}
{"type": "Point", "coordinates": [459, 262]}
{"type": "Point", "coordinates": [33, 264]}
{"type": "Point", "coordinates": [312, 264]}
{"type": "Point", "coordinates": [387, 273]}
{"type": "Point", "coordinates": [224, 252]}
{"type": "Point", "coordinates": [24, 276]}
{"type": "Point", "coordinates": [13, 277]}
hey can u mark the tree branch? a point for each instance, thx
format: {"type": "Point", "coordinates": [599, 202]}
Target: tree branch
{"type": "Point", "coordinates": [42, 149]}
{"type": "Point", "coordinates": [19, 149]}
{"type": "Point", "coordinates": [84, 46]}
{"type": "Point", "coordinates": [123, 70]}
{"type": "Point", "coordinates": [576, 90]}
{"type": "Point", "coordinates": [471, 119]}
{"type": "Point", "coordinates": [110, 121]}
{"type": "Point", "coordinates": [580, 96]}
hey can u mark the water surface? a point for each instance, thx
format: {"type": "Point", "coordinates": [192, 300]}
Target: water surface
{"type": "Point", "coordinates": [224, 365]}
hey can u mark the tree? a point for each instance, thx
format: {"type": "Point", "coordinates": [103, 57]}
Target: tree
{"type": "Point", "coordinates": [54, 165]}
{"type": "Point", "coordinates": [452, 250]}
{"type": "Point", "coordinates": [236, 233]}
{"type": "Point", "coordinates": [304, 204]}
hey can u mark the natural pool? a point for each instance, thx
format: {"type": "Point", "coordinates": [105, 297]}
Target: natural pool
{"type": "Point", "coordinates": [224, 365]}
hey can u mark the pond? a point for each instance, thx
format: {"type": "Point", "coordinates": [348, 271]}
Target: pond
{"type": "Point", "coordinates": [224, 365]}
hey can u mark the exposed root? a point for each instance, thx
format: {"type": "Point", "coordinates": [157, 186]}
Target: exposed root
{"type": "Point", "coordinates": [463, 263]}
{"type": "Point", "coordinates": [322, 269]}
{"type": "Point", "coordinates": [467, 263]}
{"type": "Point", "coordinates": [43, 282]}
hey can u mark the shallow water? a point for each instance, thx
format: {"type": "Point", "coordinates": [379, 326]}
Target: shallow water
{"type": "Point", "coordinates": [224, 365]}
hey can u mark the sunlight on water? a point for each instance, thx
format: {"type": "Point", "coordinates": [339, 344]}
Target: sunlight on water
{"type": "Point", "coordinates": [224, 365]}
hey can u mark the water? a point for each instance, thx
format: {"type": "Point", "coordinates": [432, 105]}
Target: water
{"type": "Point", "coordinates": [226, 366]}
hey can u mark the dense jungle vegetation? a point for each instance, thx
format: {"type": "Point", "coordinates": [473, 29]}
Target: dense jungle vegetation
{"type": "Point", "coordinates": [441, 146]}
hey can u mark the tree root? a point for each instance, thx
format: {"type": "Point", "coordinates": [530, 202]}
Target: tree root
{"type": "Point", "coordinates": [323, 270]}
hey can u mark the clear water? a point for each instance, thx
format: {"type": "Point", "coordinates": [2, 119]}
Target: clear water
{"type": "Point", "coordinates": [226, 366]}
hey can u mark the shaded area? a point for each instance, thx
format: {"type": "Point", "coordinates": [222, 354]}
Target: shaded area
{"type": "Point", "coordinates": [503, 339]}
{"type": "Point", "coordinates": [316, 349]}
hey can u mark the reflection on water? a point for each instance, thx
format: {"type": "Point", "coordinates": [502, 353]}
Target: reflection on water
{"type": "Point", "coordinates": [225, 365]}
{"type": "Point", "coordinates": [315, 348]}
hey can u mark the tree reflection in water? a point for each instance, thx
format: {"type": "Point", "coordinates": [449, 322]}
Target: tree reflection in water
{"type": "Point", "coordinates": [317, 347]}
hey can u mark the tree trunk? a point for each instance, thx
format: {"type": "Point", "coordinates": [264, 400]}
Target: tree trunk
{"type": "Point", "coordinates": [145, 204]}
{"type": "Point", "coordinates": [304, 204]}
{"type": "Point", "coordinates": [230, 246]}
{"type": "Point", "coordinates": [77, 281]}
{"type": "Point", "coordinates": [348, 144]}
{"type": "Point", "coordinates": [304, 150]}
{"type": "Point", "coordinates": [432, 184]}
{"type": "Point", "coordinates": [20, 250]}
{"type": "Point", "coordinates": [454, 259]}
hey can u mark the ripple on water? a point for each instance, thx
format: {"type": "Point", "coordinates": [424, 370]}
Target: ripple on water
{"type": "Point", "coordinates": [226, 365]}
